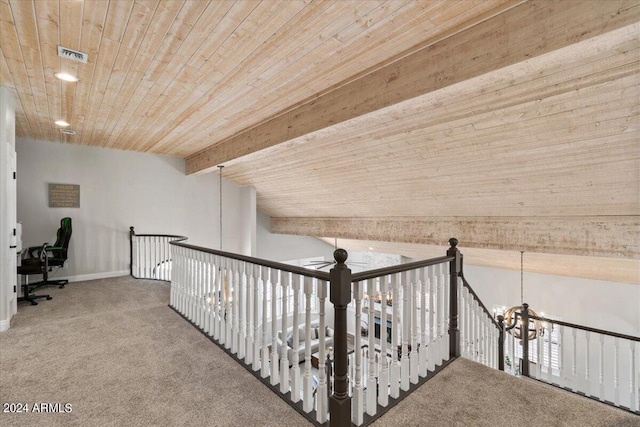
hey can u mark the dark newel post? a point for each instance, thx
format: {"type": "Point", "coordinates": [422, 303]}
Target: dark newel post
{"type": "Point", "coordinates": [501, 342]}
{"type": "Point", "coordinates": [524, 339]}
{"type": "Point", "coordinates": [131, 234]}
{"type": "Point", "coordinates": [454, 271]}
{"type": "Point", "coordinates": [340, 402]}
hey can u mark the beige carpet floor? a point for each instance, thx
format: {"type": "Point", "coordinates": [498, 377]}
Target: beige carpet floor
{"type": "Point", "coordinates": [116, 353]}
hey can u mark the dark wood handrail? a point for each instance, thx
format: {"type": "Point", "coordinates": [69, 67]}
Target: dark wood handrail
{"type": "Point", "coordinates": [586, 328]}
{"type": "Point", "coordinates": [160, 235]}
{"type": "Point", "coordinates": [371, 274]}
{"type": "Point", "coordinates": [475, 296]}
{"type": "Point", "coordinates": [321, 275]}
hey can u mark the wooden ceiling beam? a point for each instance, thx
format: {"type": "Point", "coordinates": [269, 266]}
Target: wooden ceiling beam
{"type": "Point", "coordinates": [521, 33]}
{"type": "Point", "coordinates": [602, 236]}
{"type": "Point", "coordinates": [622, 270]}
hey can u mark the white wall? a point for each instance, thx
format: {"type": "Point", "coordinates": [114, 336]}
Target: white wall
{"type": "Point", "coordinates": [283, 247]}
{"type": "Point", "coordinates": [7, 209]}
{"type": "Point", "coordinates": [120, 189]}
{"type": "Point", "coordinates": [610, 306]}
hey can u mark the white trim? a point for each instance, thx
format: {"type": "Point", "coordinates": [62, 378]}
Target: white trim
{"type": "Point", "coordinates": [5, 324]}
{"type": "Point", "coordinates": [93, 276]}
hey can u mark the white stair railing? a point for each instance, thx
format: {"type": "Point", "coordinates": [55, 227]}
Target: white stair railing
{"type": "Point", "coordinates": [400, 334]}
{"type": "Point", "coordinates": [150, 255]}
{"type": "Point", "coordinates": [259, 311]}
{"type": "Point", "coordinates": [606, 369]}
{"type": "Point", "coordinates": [479, 331]}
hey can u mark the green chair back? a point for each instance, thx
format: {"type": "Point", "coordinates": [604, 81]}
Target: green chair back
{"type": "Point", "coordinates": [64, 236]}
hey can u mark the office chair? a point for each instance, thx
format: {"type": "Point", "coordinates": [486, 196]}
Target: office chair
{"type": "Point", "coordinates": [42, 259]}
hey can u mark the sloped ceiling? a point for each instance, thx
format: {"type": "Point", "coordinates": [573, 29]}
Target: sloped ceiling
{"type": "Point", "coordinates": [510, 125]}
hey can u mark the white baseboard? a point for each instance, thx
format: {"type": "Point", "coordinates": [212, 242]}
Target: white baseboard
{"type": "Point", "coordinates": [93, 276]}
{"type": "Point", "coordinates": [4, 325]}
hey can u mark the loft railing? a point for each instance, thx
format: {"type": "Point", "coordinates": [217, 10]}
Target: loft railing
{"type": "Point", "coordinates": [295, 328]}
{"type": "Point", "coordinates": [599, 364]}
{"type": "Point", "coordinates": [480, 332]}
{"type": "Point", "coordinates": [150, 255]}
{"type": "Point", "coordinates": [386, 331]}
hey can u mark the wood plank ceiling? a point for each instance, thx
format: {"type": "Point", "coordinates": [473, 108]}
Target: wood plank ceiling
{"type": "Point", "coordinates": [512, 125]}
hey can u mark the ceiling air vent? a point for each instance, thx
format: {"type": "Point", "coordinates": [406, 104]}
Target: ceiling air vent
{"type": "Point", "coordinates": [73, 55]}
{"type": "Point", "coordinates": [68, 131]}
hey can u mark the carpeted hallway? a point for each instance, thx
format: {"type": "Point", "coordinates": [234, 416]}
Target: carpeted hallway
{"type": "Point", "coordinates": [120, 356]}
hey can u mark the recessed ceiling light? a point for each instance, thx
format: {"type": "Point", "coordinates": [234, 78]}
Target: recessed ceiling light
{"type": "Point", "coordinates": [62, 123]}
{"type": "Point", "coordinates": [68, 131]}
{"type": "Point", "coordinates": [66, 77]}
{"type": "Point", "coordinates": [370, 248]}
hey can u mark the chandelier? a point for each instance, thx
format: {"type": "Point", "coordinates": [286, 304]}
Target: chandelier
{"type": "Point", "coordinates": [513, 315]}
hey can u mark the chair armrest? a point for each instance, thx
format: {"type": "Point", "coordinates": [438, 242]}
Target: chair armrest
{"type": "Point", "coordinates": [34, 251]}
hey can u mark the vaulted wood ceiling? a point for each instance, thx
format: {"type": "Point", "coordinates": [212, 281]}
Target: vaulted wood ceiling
{"type": "Point", "coordinates": [512, 125]}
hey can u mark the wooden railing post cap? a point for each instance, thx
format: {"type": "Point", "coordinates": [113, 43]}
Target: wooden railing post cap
{"type": "Point", "coordinates": [131, 230]}
{"type": "Point", "coordinates": [340, 279]}
{"type": "Point", "coordinates": [525, 306]}
{"type": "Point", "coordinates": [500, 318]}
{"type": "Point", "coordinates": [340, 255]}
{"type": "Point", "coordinates": [453, 242]}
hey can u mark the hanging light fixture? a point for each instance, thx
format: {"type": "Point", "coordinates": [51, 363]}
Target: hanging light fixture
{"type": "Point", "coordinates": [513, 314]}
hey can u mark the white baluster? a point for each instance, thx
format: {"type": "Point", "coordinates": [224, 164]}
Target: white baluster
{"type": "Point", "coordinates": [206, 291]}
{"type": "Point", "coordinates": [234, 301]}
{"type": "Point", "coordinates": [307, 385]}
{"type": "Point", "coordinates": [485, 340]}
{"type": "Point", "coordinates": [634, 375]}
{"type": "Point", "coordinates": [217, 299]}
{"type": "Point", "coordinates": [241, 309]}
{"type": "Point", "coordinates": [180, 281]}
{"type": "Point", "coordinates": [285, 282]}
{"type": "Point", "coordinates": [256, 317]}
{"type": "Point", "coordinates": [431, 350]}
{"type": "Point", "coordinates": [587, 379]}
{"type": "Point", "coordinates": [540, 357]}
{"type": "Point", "coordinates": [230, 312]}
{"type": "Point", "coordinates": [514, 370]}
{"type": "Point", "coordinates": [211, 277]}
{"type": "Point", "coordinates": [172, 288]}
{"type": "Point", "coordinates": [601, 381]}
{"type": "Point", "coordinates": [383, 379]}
{"type": "Point", "coordinates": [446, 290]}
{"type": "Point", "coordinates": [250, 281]}
{"type": "Point", "coordinates": [322, 409]}
{"type": "Point", "coordinates": [200, 301]}
{"type": "Point", "coordinates": [406, 330]}
{"type": "Point", "coordinates": [549, 327]}
{"type": "Point", "coordinates": [265, 332]}
{"type": "Point", "coordinates": [275, 373]}
{"type": "Point", "coordinates": [464, 332]}
{"type": "Point", "coordinates": [415, 338]}
{"type": "Point", "coordinates": [394, 390]}
{"type": "Point", "coordinates": [192, 284]}
{"type": "Point", "coordinates": [439, 314]}
{"type": "Point", "coordinates": [561, 358]}
{"type": "Point", "coordinates": [616, 372]}
{"type": "Point", "coordinates": [222, 271]}
{"type": "Point", "coordinates": [496, 346]}
{"type": "Point", "coordinates": [574, 360]}
{"type": "Point", "coordinates": [371, 378]}
{"type": "Point", "coordinates": [295, 358]}
{"type": "Point", "coordinates": [473, 329]}
{"type": "Point", "coordinates": [424, 279]}
{"type": "Point", "coordinates": [357, 412]}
